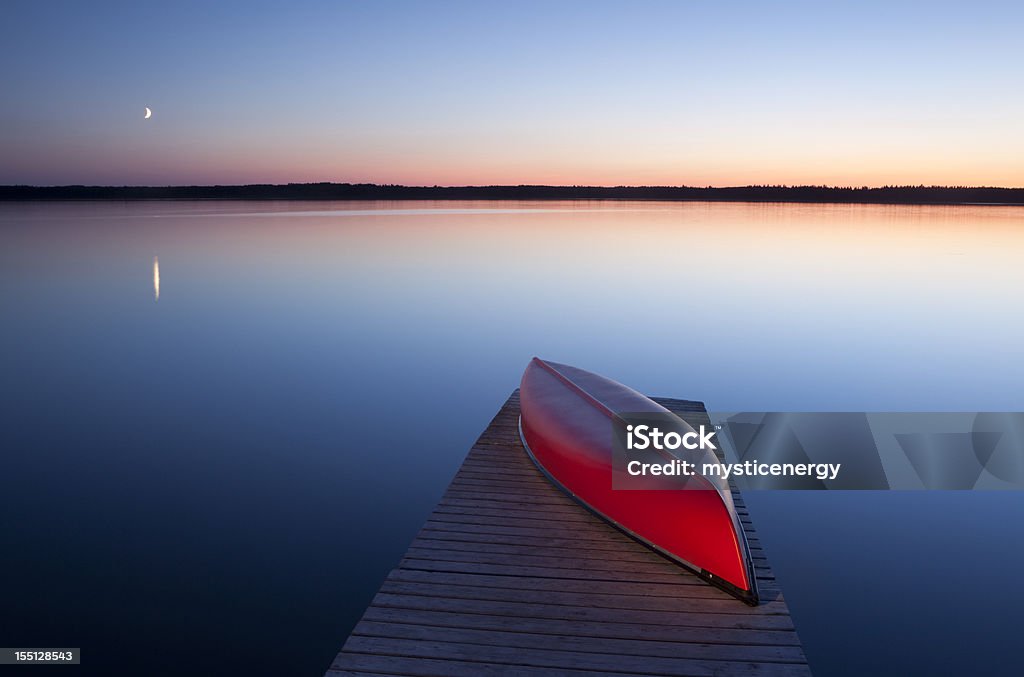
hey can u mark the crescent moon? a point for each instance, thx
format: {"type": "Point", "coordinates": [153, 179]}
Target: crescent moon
{"type": "Point", "coordinates": [149, 113]}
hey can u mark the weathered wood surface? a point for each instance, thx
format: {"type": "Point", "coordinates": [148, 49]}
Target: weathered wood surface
{"type": "Point", "coordinates": [509, 576]}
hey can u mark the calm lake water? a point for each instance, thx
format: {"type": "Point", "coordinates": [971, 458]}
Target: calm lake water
{"type": "Point", "coordinates": [220, 478]}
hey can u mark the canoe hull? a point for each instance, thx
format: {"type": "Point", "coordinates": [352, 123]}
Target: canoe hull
{"type": "Point", "coordinates": [566, 426]}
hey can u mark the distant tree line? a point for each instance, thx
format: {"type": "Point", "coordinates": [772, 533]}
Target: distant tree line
{"type": "Point", "coordinates": [371, 191]}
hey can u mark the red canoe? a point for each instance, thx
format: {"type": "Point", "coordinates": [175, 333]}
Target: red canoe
{"type": "Point", "coordinates": [566, 425]}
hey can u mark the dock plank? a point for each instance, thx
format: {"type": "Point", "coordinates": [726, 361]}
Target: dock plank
{"type": "Point", "coordinates": [509, 576]}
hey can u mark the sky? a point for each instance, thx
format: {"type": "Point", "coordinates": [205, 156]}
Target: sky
{"type": "Point", "coordinates": [453, 93]}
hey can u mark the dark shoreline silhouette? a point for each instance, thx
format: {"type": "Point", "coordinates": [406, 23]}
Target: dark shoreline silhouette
{"type": "Point", "coordinates": [940, 195]}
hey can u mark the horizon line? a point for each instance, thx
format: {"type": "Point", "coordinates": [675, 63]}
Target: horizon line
{"type": "Point", "coordinates": [481, 186]}
{"type": "Point", "coordinates": [326, 191]}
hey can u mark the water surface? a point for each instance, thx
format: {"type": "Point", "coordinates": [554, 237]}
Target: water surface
{"type": "Point", "coordinates": [218, 470]}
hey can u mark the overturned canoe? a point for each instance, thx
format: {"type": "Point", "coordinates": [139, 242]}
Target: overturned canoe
{"type": "Point", "coordinates": [566, 423]}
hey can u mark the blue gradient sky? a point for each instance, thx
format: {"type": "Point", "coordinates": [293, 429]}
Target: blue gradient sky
{"type": "Point", "coordinates": [472, 93]}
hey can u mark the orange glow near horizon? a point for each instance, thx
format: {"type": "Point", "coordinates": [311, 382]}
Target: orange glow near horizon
{"type": "Point", "coordinates": [458, 165]}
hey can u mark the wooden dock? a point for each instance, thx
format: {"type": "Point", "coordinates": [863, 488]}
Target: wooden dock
{"type": "Point", "coordinates": [509, 576]}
